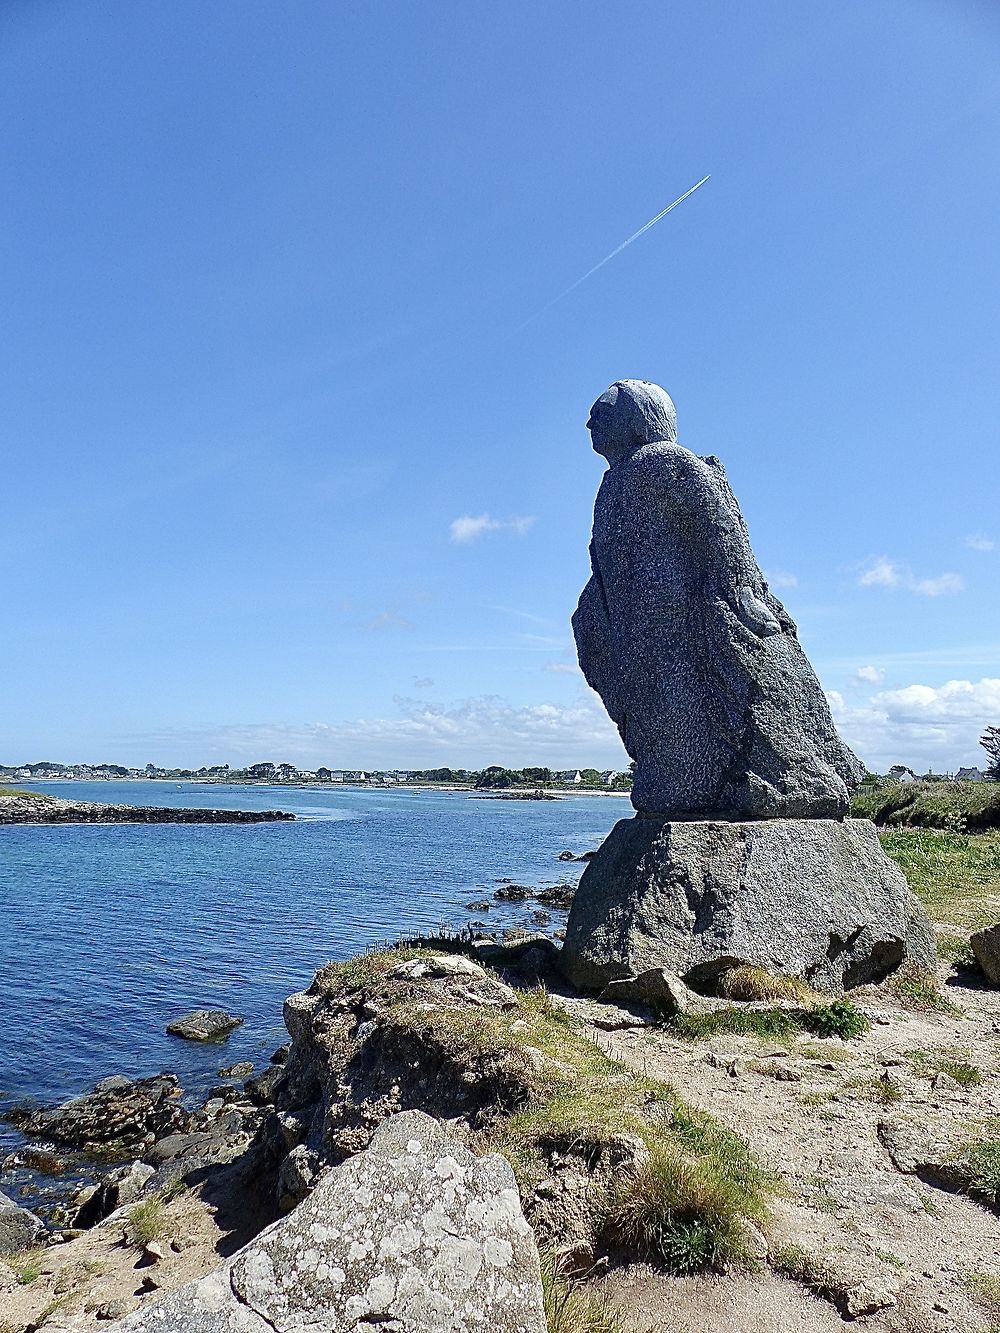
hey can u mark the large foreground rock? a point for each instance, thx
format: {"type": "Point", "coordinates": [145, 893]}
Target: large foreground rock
{"type": "Point", "coordinates": [415, 1235]}
{"type": "Point", "coordinates": [812, 898]}
{"type": "Point", "coordinates": [19, 1229]}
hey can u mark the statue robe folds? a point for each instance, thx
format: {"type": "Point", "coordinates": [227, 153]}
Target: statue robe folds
{"type": "Point", "coordinates": [697, 663]}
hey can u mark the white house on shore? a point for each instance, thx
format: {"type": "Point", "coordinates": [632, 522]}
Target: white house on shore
{"type": "Point", "coordinates": [572, 778]}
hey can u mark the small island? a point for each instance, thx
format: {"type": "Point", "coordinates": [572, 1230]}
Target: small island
{"type": "Point", "coordinates": [25, 807]}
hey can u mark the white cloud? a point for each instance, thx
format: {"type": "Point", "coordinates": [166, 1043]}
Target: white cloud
{"type": "Point", "coordinates": [781, 579]}
{"type": "Point", "coordinates": [468, 528]}
{"type": "Point", "coordinates": [977, 541]}
{"type": "Point", "coordinates": [423, 682]}
{"type": "Point", "coordinates": [923, 726]}
{"type": "Point", "coordinates": [468, 734]}
{"type": "Point", "coordinates": [882, 572]}
{"type": "Point", "coordinates": [872, 674]}
{"type": "Point", "coordinates": [563, 668]}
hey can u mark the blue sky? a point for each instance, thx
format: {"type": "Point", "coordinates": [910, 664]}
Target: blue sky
{"type": "Point", "coordinates": [265, 275]}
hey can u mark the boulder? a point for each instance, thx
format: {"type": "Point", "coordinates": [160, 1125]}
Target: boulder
{"type": "Point", "coordinates": [118, 1112]}
{"type": "Point", "coordinates": [812, 898]}
{"type": "Point", "coordinates": [659, 990]}
{"type": "Point", "coordinates": [414, 1234]}
{"type": "Point", "coordinates": [204, 1025]}
{"type": "Point", "coordinates": [986, 946]}
{"type": "Point", "coordinates": [19, 1229]}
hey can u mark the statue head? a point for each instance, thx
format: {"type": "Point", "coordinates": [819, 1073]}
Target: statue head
{"type": "Point", "coordinates": [630, 413]}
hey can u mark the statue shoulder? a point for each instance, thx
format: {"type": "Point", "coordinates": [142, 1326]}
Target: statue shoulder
{"type": "Point", "coordinates": [670, 467]}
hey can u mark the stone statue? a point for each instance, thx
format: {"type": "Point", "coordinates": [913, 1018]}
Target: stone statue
{"type": "Point", "coordinates": [697, 663]}
{"type": "Point", "coordinates": [740, 852]}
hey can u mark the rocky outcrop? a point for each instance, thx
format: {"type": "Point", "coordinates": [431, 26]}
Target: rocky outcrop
{"type": "Point", "coordinates": [19, 1229]}
{"type": "Point", "coordinates": [118, 1113]}
{"type": "Point", "coordinates": [815, 899]}
{"type": "Point", "coordinates": [204, 1025]}
{"type": "Point", "coordinates": [414, 1234]}
{"type": "Point", "coordinates": [27, 810]}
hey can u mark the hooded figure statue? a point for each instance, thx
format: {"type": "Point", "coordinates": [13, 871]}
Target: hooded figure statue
{"type": "Point", "coordinates": [697, 663]}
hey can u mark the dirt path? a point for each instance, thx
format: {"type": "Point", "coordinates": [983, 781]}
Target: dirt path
{"type": "Point", "coordinates": [812, 1110]}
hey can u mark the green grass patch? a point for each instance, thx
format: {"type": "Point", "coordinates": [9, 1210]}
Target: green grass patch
{"type": "Point", "coordinates": [26, 1266]}
{"type": "Point", "coordinates": [955, 875]}
{"type": "Point", "coordinates": [25, 795]}
{"type": "Point", "coordinates": [840, 1018]}
{"type": "Point", "coordinates": [980, 1160]}
{"type": "Point", "coordinates": [956, 806]}
{"type": "Point", "coordinates": [929, 1063]}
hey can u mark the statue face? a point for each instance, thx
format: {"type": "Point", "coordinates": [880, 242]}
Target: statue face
{"type": "Point", "coordinates": [603, 422]}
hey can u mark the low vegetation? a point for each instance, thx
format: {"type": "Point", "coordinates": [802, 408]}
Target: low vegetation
{"type": "Point", "coordinates": [148, 1221]}
{"type": "Point", "coordinates": [955, 806]}
{"type": "Point", "coordinates": [929, 1063]}
{"type": "Point", "coordinates": [21, 794]}
{"type": "Point", "coordinates": [980, 1162]}
{"type": "Point", "coordinates": [917, 989]}
{"type": "Point", "coordinates": [955, 875]}
{"type": "Point", "coordinates": [754, 983]}
{"type": "Point", "coordinates": [688, 1187]}
{"type": "Point", "coordinates": [570, 1307]}
{"type": "Point", "coordinates": [839, 1018]}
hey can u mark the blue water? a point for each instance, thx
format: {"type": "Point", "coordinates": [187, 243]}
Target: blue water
{"type": "Point", "coordinates": [110, 931]}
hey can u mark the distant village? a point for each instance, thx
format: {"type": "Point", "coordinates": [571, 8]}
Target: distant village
{"type": "Point", "coordinates": [494, 776]}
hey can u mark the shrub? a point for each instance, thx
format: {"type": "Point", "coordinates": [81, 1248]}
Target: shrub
{"type": "Point", "coordinates": [981, 1164]}
{"type": "Point", "coordinates": [840, 1018]}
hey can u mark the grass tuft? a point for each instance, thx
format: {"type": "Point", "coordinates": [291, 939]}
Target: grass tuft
{"type": "Point", "coordinates": [800, 1264]}
{"type": "Point", "coordinates": [916, 988]}
{"type": "Point", "coordinates": [570, 1307]}
{"type": "Point", "coordinates": [763, 1023]}
{"type": "Point", "coordinates": [146, 1222]}
{"type": "Point", "coordinates": [980, 1160]}
{"type": "Point", "coordinates": [22, 794]}
{"type": "Point", "coordinates": [754, 983]}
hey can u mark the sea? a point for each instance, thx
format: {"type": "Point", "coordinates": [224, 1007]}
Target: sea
{"type": "Point", "coordinates": [107, 932]}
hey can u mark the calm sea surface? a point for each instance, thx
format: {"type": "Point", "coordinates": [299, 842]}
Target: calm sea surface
{"type": "Point", "coordinates": [106, 933]}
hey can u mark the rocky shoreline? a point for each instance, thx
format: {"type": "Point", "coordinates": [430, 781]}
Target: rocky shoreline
{"type": "Point", "coordinates": [53, 810]}
{"type": "Point", "coordinates": [843, 1161]}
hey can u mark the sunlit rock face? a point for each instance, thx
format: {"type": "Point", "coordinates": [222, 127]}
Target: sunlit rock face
{"type": "Point", "coordinates": [697, 663]}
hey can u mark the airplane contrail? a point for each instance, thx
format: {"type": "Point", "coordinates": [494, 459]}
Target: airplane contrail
{"type": "Point", "coordinates": [616, 251]}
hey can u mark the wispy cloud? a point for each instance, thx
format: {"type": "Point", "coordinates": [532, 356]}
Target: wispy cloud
{"type": "Point", "coordinates": [423, 682]}
{"type": "Point", "coordinates": [928, 727]}
{"type": "Point", "coordinates": [563, 668]}
{"type": "Point", "coordinates": [470, 734]}
{"type": "Point", "coordinates": [938, 587]}
{"type": "Point", "coordinates": [469, 527]}
{"type": "Point", "coordinates": [781, 579]}
{"type": "Point", "coordinates": [389, 620]}
{"type": "Point", "coordinates": [881, 572]}
{"type": "Point", "coordinates": [976, 541]}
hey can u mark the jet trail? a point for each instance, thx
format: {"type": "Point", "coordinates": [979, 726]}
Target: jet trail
{"type": "Point", "coordinates": [617, 251]}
